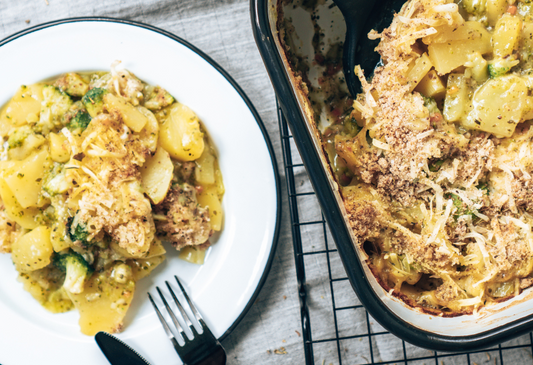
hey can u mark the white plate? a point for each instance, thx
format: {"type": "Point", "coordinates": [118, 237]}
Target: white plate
{"type": "Point", "coordinates": [236, 266]}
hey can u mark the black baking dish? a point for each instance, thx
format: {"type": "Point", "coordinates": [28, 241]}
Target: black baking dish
{"type": "Point", "coordinates": [437, 333]}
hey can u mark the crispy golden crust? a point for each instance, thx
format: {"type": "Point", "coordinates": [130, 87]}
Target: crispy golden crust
{"type": "Point", "coordinates": [111, 200]}
{"type": "Point", "coordinates": [363, 218]}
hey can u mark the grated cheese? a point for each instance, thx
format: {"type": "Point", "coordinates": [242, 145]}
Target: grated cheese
{"type": "Point", "coordinates": [430, 22]}
{"type": "Point", "coordinates": [92, 174]}
{"type": "Point", "coordinates": [380, 144]}
{"type": "Point", "coordinates": [439, 194]}
{"type": "Point", "coordinates": [373, 35]}
{"type": "Point", "coordinates": [367, 112]}
{"type": "Point", "coordinates": [480, 215]}
{"type": "Point", "coordinates": [509, 188]}
{"type": "Point", "coordinates": [469, 302]}
{"type": "Point", "coordinates": [71, 140]}
{"type": "Point", "coordinates": [441, 221]}
{"type": "Point", "coordinates": [446, 8]}
{"type": "Point", "coordinates": [416, 35]}
{"type": "Point", "coordinates": [100, 152]}
{"type": "Point", "coordinates": [425, 134]}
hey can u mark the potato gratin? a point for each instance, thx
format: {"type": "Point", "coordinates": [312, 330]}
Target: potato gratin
{"type": "Point", "coordinates": [437, 157]}
{"type": "Point", "coordinates": [96, 170]}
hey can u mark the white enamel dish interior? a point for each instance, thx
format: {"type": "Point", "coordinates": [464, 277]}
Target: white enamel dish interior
{"type": "Point", "coordinates": [225, 284]}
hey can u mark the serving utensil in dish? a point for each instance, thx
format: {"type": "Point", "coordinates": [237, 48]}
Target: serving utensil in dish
{"type": "Point", "coordinates": [500, 322]}
{"type": "Point", "coordinates": [360, 17]}
{"type": "Point", "coordinates": [236, 265]}
{"type": "Point", "coordinates": [355, 15]}
{"type": "Point", "coordinates": [202, 348]}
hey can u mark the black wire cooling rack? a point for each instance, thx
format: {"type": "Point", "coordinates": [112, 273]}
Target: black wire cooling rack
{"type": "Point", "coordinates": [336, 329]}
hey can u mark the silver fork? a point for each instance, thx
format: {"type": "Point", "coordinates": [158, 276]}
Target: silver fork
{"type": "Point", "coordinates": [203, 348]}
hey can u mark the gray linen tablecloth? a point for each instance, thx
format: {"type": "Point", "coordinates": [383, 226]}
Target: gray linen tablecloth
{"type": "Point", "coordinates": [270, 332]}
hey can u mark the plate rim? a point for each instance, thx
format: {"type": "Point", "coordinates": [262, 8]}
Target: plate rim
{"type": "Point", "coordinates": [238, 89]}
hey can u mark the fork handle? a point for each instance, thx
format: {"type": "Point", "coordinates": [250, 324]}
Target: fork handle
{"type": "Point", "coordinates": [216, 358]}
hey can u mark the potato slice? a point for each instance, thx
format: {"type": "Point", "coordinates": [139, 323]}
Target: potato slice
{"type": "Point", "coordinates": [420, 68]}
{"type": "Point", "coordinates": [204, 172]}
{"type": "Point", "coordinates": [193, 255]}
{"type": "Point", "coordinates": [73, 84]}
{"type": "Point", "coordinates": [506, 36]}
{"type": "Point", "coordinates": [30, 144]}
{"type": "Point", "coordinates": [495, 9]}
{"type": "Point", "coordinates": [452, 54]}
{"type": "Point", "coordinates": [156, 249]}
{"type": "Point", "coordinates": [209, 198]}
{"type": "Point", "coordinates": [25, 106]}
{"type": "Point", "coordinates": [219, 183]}
{"type": "Point", "coordinates": [526, 39]}
{"type": "Point", "coordinates": [25, 178]}
{"type": "Point", "coordinates": [148, 251]}
{"type": "Point", "coordinates": [478, 66]}
{"type": "Point", "coordinates": [59, 148]}
{"type": "Point", "coordinates": [24, 217]}
{"type": "Point", "coordinates": [499, 105]}
{"type": "Point", "coordinates": [431, 86]}
{"type": "Point", "coordinates": [156, 175]}
{"type": "Point", "coordinates": [143, 267]}
{"type": "Point", "coordinates": [456, 98]}
{"type": "Point", "coordinates": [180, 134]}
{"type": "Point", "coordinates": [45, 286]}
{"type": "Point", "coordinates": [33, 250]}
{"type": "Point", "coordinates": [456, 32]}
{"type": "Point", "coordinates": [58, 237]}
{"type": "Point", "coordinates": [150, 133]}
{"type": "Point", "coordinates": [133, 118]}
{"type": "Point", "coordinates": [103, 303]}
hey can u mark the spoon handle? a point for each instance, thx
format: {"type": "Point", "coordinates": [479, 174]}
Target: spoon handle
{"type": "Point", "coordinates": [355, 15]}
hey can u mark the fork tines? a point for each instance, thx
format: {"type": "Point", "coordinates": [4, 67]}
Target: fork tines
{"type": "Point", "coordinates": [200, 346]}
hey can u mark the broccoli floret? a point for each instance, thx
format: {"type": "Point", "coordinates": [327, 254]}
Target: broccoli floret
{"type": "Point", "coordinates": [55, 104]}
{"type": "Point", "coordinates": [474, 6]}
{"type": "Point", "coordinates": [462, 209]}
{"type": "Point", "coordinates": [77, 118]}
{"type": "Point", "coordinates": [500, 67]}
{"type": "Point", "coordinates": [72, 84]}
{"type": "Point", "coordinates": [94, 101]}
{"type": "Point", "coordinates": [78, 232]}
{"type": "Point", "coordinates": [17, 136]}
{"type": "Point", "coordinates": [431, 104]}
{"type": "Point", "coordinates": [435, 166]}
{"type": "Point", "coordinates": [496, 71]}
{"type": "Point", "coordinates": [158, 98]}
{"type": "Point", "coordinates": [485, 187]}
{"type": "Point", "coordinates": [351, 128]}
{"type": "Point", "coordinates": [80, 120]}
{"type": "Point", "coordinates": [56, 101]}
{"type": "Point", "coordinates": [55, 181]}
{"type": "Point", "coordinates": [77, 271]}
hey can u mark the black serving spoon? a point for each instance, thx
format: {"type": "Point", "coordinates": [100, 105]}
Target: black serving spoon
{"type": "Point", "coordinates": [361, 16]}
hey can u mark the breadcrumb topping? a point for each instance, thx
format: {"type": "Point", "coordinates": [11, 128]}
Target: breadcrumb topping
{"type": "Point", "coordinates": [445, 207]}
